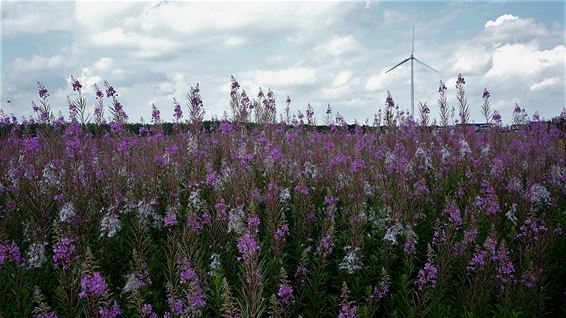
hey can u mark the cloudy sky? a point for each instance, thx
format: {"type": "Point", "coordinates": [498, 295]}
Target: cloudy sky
{"type": "Point", "coordinates": [316, 52]}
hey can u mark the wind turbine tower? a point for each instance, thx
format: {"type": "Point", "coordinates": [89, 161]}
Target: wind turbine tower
{"type": "Point", "coordinates": [412, 58]}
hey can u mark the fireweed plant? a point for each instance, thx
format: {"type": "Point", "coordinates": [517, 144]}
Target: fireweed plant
{"type": "Point", "coordinates": [247, 217]}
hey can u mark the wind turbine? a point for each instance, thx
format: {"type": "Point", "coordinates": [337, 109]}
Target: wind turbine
{"type": "Point", "coordinates": [412, 58]}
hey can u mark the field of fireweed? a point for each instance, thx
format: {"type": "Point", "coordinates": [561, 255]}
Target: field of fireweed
{"type": "Point", "coordinates": [258, 216]}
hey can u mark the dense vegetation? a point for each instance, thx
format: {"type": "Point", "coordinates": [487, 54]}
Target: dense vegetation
{"type": "Point", "coordinates": [279, 218]}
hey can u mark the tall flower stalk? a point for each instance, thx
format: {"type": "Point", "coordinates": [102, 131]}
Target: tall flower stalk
{"type": "Point", "coordinates": [464, 110]}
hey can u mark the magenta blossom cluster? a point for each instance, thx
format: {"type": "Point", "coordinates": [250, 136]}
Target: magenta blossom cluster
{"type": "Point", "coordinates": [93, 285]}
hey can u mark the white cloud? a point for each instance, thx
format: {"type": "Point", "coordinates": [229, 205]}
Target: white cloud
{"type": "Point", "coordinates": [525, 59]}
{"type": "Point", "coordinates": [20, 17]}
{"type": "Point", "coordinates": [96, 15]}
{"type": "Point", "coordinates": [146, 46]}
{"type": "Point", "coordinates": [38, 63]}
{"type": "Point", "coordinates": [508, 28]}
{"type": "Point", "coordinates": [97, 73]}
{"type": "Point", "coordinates": [392, 16]}
{"type": "Point", "coordinates": [338, 45]}
{"type": "Point", "coordinates": [284, 78]}
{"type": "Point", "coordinates": [384, 80]}
{"type": "Point", "coordinates": [235, 41]}
{"type": "Point", "coordinates": [342, 78]}
{"type": "Point", "coordinates": [547, 83]}
{"type": "Point", "coordinates": [471, 59]}
{"type": "Point", "coordinates": [276, 59]}
{"type": "Point", "coordinates": [500, 20]}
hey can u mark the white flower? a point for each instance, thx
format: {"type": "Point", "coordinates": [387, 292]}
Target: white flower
{"type": "Point", "coordinates": [557, 176]}
{"type": "Point", "coordinates": [235, 220]}
{"type": "Point", "coordinates": [393, 232]}
{"type": "Point", "coordinates": [49, 176]}
{"type": "Point", "coordinates": [390, 158]}
{"type": "Point", "coordinates": [67, 212]}
{"type": "Point", "coordinates": [195, 200]}
{"type": "Point", "coordinates": [132, 283]}
{"type": "Point", "coordinates": [464, 148]}
{"type": "Point", "coordinates": [110, 225]}
{"type": "Point", "coordinates": [445, 154]}
{"type": "Point", "coordinates": [380, 219]}
{"type": "Point", "coordinates": [539, 195]}
{"type": "Point", "coordinates": [310, 170]}
{"type": "Point", "coordinates": [368, 189]}
{"type": "Point", "coordinates": [351, 262]}
{"type": "Point", "coordinates": [36, 254]}
{"type": "Point", "coordinates": [421, 153]}
{"type": "Point", "coordinates": [285, 195]}
{"type": "Point", "coordinates": [214, 264]}
{"type": "Point", "coordinates": [511, 214]}
{"type": "Point", "coordinates": [147, 213]}
{"type": "Point", "coordinates": [192, 145]}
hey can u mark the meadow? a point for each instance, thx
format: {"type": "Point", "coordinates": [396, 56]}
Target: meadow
{"type": "Point", "coordinates": [260, 215]}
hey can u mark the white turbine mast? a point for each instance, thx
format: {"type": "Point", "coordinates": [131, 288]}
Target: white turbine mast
{"type": "Point", "coordinates": [412, 58]}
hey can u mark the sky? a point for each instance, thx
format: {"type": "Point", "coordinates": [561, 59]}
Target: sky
{"type": "Point", "coordinates": [315, 52]}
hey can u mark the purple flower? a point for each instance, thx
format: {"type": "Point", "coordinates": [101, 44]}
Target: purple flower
{"type": "Point", "coordinates": [485, 94]}
{"type": "Point", "coordinates": [226, 128]}
{"type": "Point", "coordinates": [325, 247]}
{"type": "Point", "coordinates": [453, 213]}
{"type": "Point", "coordinates": [276, 154]}
{"type": "Point", "coordinates": [383, 290]}
{"type": "Point", "coordinates": [478, 260]}
{"type": "Point", "coordinates": [348, 310]}
{"type": "Point", "coordinates": [235, 86]}
{"type": "Point", "coordinates": [176, 305]}
{"type": "Point", "coordinates": [155, 114]}
{"type": "Point", "coordinates": [281, 232]}
{"type": "Point", "coordinates": [42, 91]}
{"type": "Point", "coordinates": [31, 145]}
{"type": "Point", "coordinates": [460, 81]}
{"type": "Point", "coordinates": [427, 275]}
{"type": "Point", "coordinates": [188, 275]}
{"type": "Point", "coordinates": [112, 312]}
{"type": "Point", "coordinates": [196, 301]}
{"type": "Point", "coordinates": [247, 246]}
{"type": "Point", "coordinates": [147, 311]}
{"type": "Point", "coordinates": [170, 218]}
{"type": "Point", "coordinates": [253, 224]}
{"type": "Point", "coordinates": [194, 222]}
{"type": "Point", "coordinates": [110, 91]}
{"type": "Point", "coordinates": [11, 253]}
{"type": "Point", "coordinates": [99, 93]}
{"type": "Point", "coordinates": [496, 117]}
{"type": "Point", "coordinates": [442, 87]}
{"type": "Point", "coordinates": [93, 285]}
{"type": "Point", "coordinates": [76, 84]}
{"type": "Point", "coordinates": [285, 293]}
{"type": "Point", "coordinates": [389, 101]}
{"type": "Point", "coordinates": [63, 252]}
{"type": "Point", "coordinates": [410, 247]}
{"type": "Point", "coordinates": [178, 112]}
{"type": "Point", "coordinates": [51, 314]}
{"type": "Point", "coordinates": [533, 228]}
{"type": "Point", "coordinates": [358, 164]}
{"type": "Point", "coordinates": [171, 150]}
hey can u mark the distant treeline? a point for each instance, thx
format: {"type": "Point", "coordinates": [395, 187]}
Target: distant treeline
{"type": "Point", "coordinates": [168, 128]}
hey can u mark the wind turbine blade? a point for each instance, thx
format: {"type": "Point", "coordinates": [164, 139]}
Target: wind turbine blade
{"type": "Point", "coordinates": [398, 65]}
{"type": "Point", "coordinates": [416, 59]}
{"type": "Point", "coordinates": [413, 46]}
